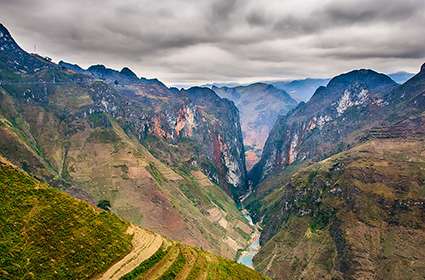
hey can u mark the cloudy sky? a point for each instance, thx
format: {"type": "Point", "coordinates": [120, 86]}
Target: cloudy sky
{"type": "Point", "coordinates": [197, 41]}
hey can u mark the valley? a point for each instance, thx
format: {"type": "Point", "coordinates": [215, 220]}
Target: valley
{"type": "Point", "coordinates": [108, 175]}
{"type": "Point", "coordinates": [259, 106]}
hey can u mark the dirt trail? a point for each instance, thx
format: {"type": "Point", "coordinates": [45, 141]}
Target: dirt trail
{"type": "Point", "coordinates": [162, 266]}
{"type": "Point", "coordinates": [191, 256]}
{"type": "Point", "coordinates": [145, 244]}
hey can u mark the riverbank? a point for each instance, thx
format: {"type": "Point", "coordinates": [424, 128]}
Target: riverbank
{"type": "Point", "coordinates": [250, 251]}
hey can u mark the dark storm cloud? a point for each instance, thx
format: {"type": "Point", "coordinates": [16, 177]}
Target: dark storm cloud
{"type": "Point", "coordinates": [194, 41]}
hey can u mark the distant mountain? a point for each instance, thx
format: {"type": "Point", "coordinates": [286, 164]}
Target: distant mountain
{"type": "Point", "coordinates": [224, 84]}
{"type": "Point", "coordinates": [259, 106]}
{"type": "Point", "coordinates": [401, 77]}
{"type": "Point", "coordinates": [125, 76]}
{"type": "Point", "coordinates": [303, 90]}
{"type": "Point", "coordinates": [300, 90]}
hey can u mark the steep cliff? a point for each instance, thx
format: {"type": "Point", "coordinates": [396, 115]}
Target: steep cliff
{"type": "Point", "coordinates": [259, 106]}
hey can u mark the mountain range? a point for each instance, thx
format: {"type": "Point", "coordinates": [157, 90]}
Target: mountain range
{"type": "Point", "coordinates": [170, 162]}
{"type": "Point", "coordinates": [107, 175]}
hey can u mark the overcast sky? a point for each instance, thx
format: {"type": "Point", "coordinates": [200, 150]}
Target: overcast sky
{"type": "Point", "coordinates": [197, 41]}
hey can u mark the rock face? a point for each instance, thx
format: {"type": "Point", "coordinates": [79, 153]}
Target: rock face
{"type": "Point", "coordinates": [326, 124]}
{"type": "Point", "coordinates": [259, 106]}
{"type": "Point", "coordinates": [106, 134]}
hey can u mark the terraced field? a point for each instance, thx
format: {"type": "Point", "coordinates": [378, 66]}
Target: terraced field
{"type": "Point", "coordinates": [47, 234]}
{"type": "Point", "coordinates": [144, 243]}
{"type": "Point", "coordinates": [154, 257]}
{"type": "Point", "coordinates": [178, 261]}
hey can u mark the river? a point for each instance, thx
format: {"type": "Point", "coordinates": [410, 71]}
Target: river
{"type": "Point", "coordinates": [249, 252]}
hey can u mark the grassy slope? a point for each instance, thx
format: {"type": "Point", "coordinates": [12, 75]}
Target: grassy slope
{"type": "Point", "coordinates": [46, 234]}
{"type": "Point", "coordinates": [358, 214]}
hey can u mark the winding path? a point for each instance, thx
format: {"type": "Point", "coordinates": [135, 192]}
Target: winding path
{"type": "Point", "coordinates": [144, 243]}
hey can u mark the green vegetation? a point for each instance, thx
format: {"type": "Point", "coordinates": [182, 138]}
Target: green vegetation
{"type": "Point", "coordinates": [46, 234]}
{"type": "Point", "coordinates": [104, 204]}
{"type": "Point", "coordinates": [99, 119]}
{"type": "Point", "coordinates": [322, 218]}
{"type": "Point", "coordinates": [145, 265]}
{"type": "Point", "coordinates": [175, 268]}
{"type": "Point", "coordinates": [154, 171]}
{"type": "Point", "coordinates": [356, 203]}
{"type": "Point", "coordinates": [224, 269]}
{"type": "Point", "coordinates": [103, 136]}
{"type": "Point", "coordinates": [243, 234]}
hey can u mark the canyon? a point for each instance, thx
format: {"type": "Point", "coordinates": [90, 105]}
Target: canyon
{"type": "Point", "coordinates": [152, 182]}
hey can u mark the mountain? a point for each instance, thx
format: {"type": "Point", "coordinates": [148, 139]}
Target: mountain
{"type": "Point", "coordinates": [14, 58]}
{"type": "Point", "coordinates": [259, 106]}
{"type": "Point", "coordinates": [303, 90]}
{"type": "Point", "coordinates": [329, 122]}
{"type": "Point", "coordinates": [300, 90]}
{"type": "Point", "coordinates": [170, 162]}
{"type": "Point", "coordinates": [219, 85]}
{"type": "Point", "coordinates": [340, 193]}
{"type": "Point", "coordinates": [47, 234]}
{"type": "Point", "coordinates": [401, 77]}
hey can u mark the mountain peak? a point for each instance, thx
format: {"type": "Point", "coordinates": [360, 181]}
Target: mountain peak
{"type": "Point", "coordinates": [3, 29]}
{"type": "Point", "coordinates": [15, 57]}
{"type": "Point", "coordinates": [6, 38]}
{"type": "Point", "coordinates": [369, 77]}
{"type": "Point", "coordinates": [97, 67]}
{"type": "Point", "coordinates": [128, 73]}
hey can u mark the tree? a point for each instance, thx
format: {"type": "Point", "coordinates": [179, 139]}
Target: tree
{"type": "Point", "coordinates": [104, 204]}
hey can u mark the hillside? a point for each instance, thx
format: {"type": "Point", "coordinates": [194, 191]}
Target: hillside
{"type": "Point", "coordinates": [46, 234]}
{"type": "Point", "coordinates": [259, 106]}
{"type": "Point", "coordinates": [356, 215]}
{"type": "Point", "coordinates": [168, 162]}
